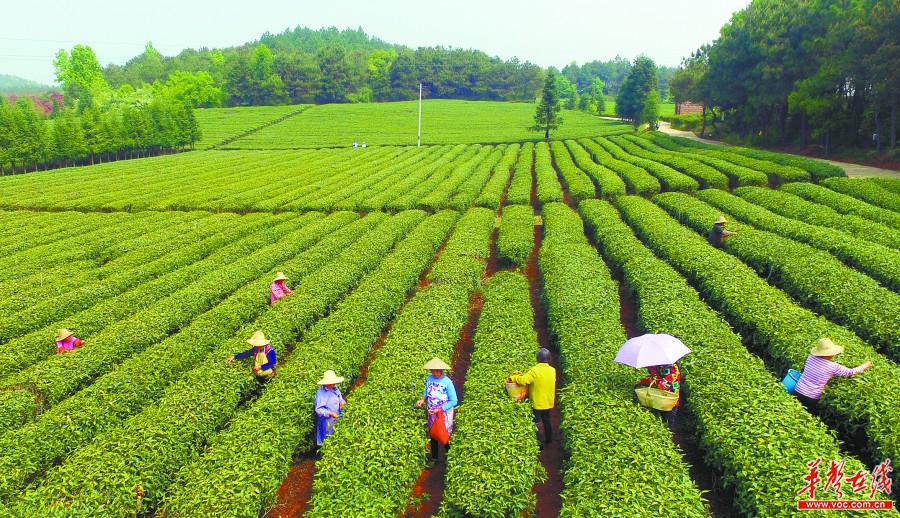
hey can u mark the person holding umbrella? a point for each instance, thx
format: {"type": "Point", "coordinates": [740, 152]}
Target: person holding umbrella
{"type": "Point", "coordinates": [659, 354]}
{"type": "Point", "coordinates": [440, 394]}
{"type": "Point", "coordinates": [665, 377]}
{"type": "Point", "coordinates": [328, 404]}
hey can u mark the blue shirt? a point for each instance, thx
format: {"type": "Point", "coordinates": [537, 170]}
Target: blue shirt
{"type": "Point", "coordinates": [440, 392]}
{"type": "Point", "coordinates": [327, 401]}
{"type": "Point", "coordinates": [270, 356]}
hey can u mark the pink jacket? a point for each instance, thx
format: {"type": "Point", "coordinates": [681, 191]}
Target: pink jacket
{"type": "Point", "coordinates": [277, 291]}
{"type": "Point", "coordinates": [68, 344]}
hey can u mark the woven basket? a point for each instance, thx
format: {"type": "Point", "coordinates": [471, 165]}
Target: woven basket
{"type": "Point", "coordinates": [656, 398]}
{"type": "Point", "coordinates": [516, 391]}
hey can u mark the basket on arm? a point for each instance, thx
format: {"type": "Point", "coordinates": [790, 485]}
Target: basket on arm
{"type": "Point", "coordinates": [655, 398]}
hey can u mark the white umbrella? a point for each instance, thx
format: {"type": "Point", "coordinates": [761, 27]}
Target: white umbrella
{"type": "Point", "coordinates": [651, 349]}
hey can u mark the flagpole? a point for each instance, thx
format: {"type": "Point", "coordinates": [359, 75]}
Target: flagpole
{"type": "Point", "coordinates": [419, 141]}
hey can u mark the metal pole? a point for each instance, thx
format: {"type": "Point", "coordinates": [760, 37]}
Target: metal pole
{"type": "Point", "coordinates": [419, 141]}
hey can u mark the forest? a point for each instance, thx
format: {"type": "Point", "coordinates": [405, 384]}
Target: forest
{"type": "Point", "coordinates": [823, 72]}
{"type": "Point", "coordinates": [302, 65]}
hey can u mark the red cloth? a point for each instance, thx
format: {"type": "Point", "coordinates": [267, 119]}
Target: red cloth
{"type": "Point", "coordinates": [438, 430]}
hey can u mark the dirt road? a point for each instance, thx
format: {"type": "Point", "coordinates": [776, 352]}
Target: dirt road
{"type": "Point", "coordinates": [852, 170]}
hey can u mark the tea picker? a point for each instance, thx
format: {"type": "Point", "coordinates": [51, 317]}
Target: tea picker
{"type": "Point", "coordinates": [440, 394]}
{"type": "Point", "coordinates": [541, 382]}
{"type": "Point", "coordinates": [264, 358]}
{"type": "Point", "coordinates": [718, 232]}
{"type": "Point", "coordinates": [659, 354]}
{"type": "Point", "coordinates": [819, 369]}
{"type": "Point", "coordinates": [66, 341]}
{"type": "Point", "coordinates": [278, 290]}
{"type": "Point", "coordinates": [329, 404]}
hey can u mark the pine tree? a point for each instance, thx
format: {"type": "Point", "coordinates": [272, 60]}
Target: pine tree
{"type": "Point", "coordinates": [546, 116]}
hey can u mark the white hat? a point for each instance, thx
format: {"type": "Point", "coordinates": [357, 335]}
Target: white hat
{"type": "Point", "coordinates": [721, 220]}
{"type": "Point", "coordinates": [258, 339]}
{"type": "Point", "coordinates": [280, 276]}
{"type": "Point", "coordinates": [330, 378]}
{"type": "Point", "coordinates": [436, 364]}
{"type": "Point", "coordinates": [826, 348]}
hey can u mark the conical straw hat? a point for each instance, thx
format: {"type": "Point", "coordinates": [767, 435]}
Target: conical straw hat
{"type": "Point", "coordinates": [330, 378]}
{"type": "Point", "coordinates": [826, 348]}
{"type": "Point", "coordinates": [280, 276]}
{"type": "Point", "coordinates": [64, 333]}
{"type": "Point", "coordinates": [436, 363]}
{"type": "Point", "coordinates": [258, 339]}
{"type": "Point", "coordinates": [721, 220]}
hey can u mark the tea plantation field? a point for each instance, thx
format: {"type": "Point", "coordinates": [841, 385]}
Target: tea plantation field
{"type": "Point", "coordinates": [477, 247]}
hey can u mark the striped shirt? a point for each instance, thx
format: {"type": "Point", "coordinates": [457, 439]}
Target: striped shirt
{"type": "Point", "coordinates": [816, 374]}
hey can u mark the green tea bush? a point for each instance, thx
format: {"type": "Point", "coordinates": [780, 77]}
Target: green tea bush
{"type": "Point", "coordinates": [599, 412]}
{"type": "Point", "coordinates": [811, 276]}
{"type": "Point", "coordinates": [878, 261]}
{"type": "Point", "coordinates": [283, 413]}
{"type": "Point", "coordinates": [843, 203]}
{"type": "Point", "coordinates": [516, 237]}
{"type": "Point", "coordinates": [776, 325]}
{"type": "Point", "coordinates": [728, 411]}
{"type": "Point", "coordinates": [636, 179]}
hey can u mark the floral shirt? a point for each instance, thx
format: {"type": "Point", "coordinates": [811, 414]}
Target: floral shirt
{"type": "Point", "coordinates": [666, 377]}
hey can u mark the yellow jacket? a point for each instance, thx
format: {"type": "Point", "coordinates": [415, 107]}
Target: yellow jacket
{"type": "Point", "coordinates": [542, 392]}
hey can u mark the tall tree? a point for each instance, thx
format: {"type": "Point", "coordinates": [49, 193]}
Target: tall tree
{"type": "Point", "coordinates": [546, 115]}
{"type": "Point", "coordinates": [197, 90]}
{"type": "Point", "coordinates": [593, 100]}
{"type": "Point", "coordinates": [67, 139]}
{"type": "Point", "coordinates": [636, 90]}
{"type": "Point", "coordinates": [568, 93]}
{"type": "Point", "coordinates": [80, 75]}
{"type": "Point", "coordinates": [334, 78]}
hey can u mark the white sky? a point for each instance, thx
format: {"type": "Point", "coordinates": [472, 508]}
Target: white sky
{"type": "Point", "coordinates": [543, 32]}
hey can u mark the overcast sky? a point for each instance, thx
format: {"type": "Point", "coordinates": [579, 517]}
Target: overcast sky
{"type": "Point", "coordinates": [543, 32]}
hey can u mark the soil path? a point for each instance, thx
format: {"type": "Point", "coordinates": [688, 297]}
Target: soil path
{"type": "Point", "coordinates": [292, 498]}
{"type": "Point", "coordinates": [852, 170]}
{"type": "Point", "coordinates": [428, 492]}
{"type": "Point", "coordinates": [553, 456]}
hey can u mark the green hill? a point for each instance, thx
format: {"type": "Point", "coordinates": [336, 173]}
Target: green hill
{"type": "Point", "coordinates": [18, 85]}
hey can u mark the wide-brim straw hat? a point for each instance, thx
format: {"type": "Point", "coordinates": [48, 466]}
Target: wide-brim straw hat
{"type": "Point", "coordinates": [258, 339]}
{"type": "Point", "coordinates": [435, 364]}
{"type": "Point", "coordinates": [330, 378]}
{"type": "Point", "coordinates": [63, 334]}
{"type": "Point", "coordinates": [280, 276]}
{"type": "Point", "coordinates": [826, 348]}
{"type": "Point", "coordinates": [721, 220]}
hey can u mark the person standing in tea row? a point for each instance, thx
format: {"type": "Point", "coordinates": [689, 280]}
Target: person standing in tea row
{"type": "Point", "coordinates": [278, 290]}
{"type": "Point", "coordinates": [541, 381]}
{"type": "Point", "coordinates": [718, 232]}
{"type": "Point", "coordinates": [819, 370]}
{"type": "Point", "coordinates": [440, 395]}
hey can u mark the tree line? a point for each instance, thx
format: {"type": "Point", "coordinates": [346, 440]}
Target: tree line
{"type": "Point", "coordinates": [93, 122]}
{"type": "Point", "coordinates": [302, 65]}
{"type": "Point", "coordinates": [817, 71]}
{"type": "Point", "coordinates": [638, 97]}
